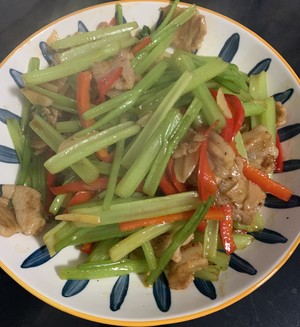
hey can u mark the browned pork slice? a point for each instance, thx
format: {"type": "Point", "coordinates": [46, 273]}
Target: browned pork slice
{"type": "Point", "coordinates": [261, 149]}
{"type": "Point", "coordinates": [181, 273]}
{"type": "Point", "coordinates": [128, 77]}
{"type": "Point", "coordinates": [191, 34]}
{"type": "Point", "coordinates": [27, 207]}
{"type": "Point", "coordinates": [8, 222]}
{"type": "Point", "coordinates": [281, 114]}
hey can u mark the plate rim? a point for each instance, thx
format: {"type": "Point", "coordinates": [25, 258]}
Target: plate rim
{"type": "Point", "coordinates": [182, 318]}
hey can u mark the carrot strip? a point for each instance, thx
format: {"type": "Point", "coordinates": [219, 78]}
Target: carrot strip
{"type": "Point", "coordinates": [166, 186]}
{"type": "Point", "coordinates": [141, 45]}
{"type": "Point", "coordinates": [267, 184]}
{"type": "Point", "coordinates": [81, 197]}
{"type": "Point", "coordinates": [87, 247]}
{"type": "Point", "coordinates": [279, 159]}
{"type": "Point", "coordinates": [73, 187]}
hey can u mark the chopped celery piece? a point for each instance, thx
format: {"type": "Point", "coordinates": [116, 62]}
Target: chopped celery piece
{"type": "Point", "coordinates": [210, 273]}
{"type": "Point", "coordinates": [257, 224]}
{"type": "Point", "coordinates": [242, 240]}
{"type": "Point", "coordinates": [220, 260]}
{"type": "Point", "coordinates": [210, 242]}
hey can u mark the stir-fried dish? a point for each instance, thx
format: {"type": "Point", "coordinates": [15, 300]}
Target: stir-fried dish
{"type": "Point", "coordinates": [142, 154]}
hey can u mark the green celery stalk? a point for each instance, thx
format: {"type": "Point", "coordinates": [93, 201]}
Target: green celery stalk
{"type": "Point", "coordinates": [70, 126]}
{"type": "Point", "coordinates": [83, 147]}
{"type": "Point", "coordinates": [210, 273]}
{"type": "Point", "coordinates": [82, 38]}
{"type": "Point", "coordinates": [210, 243]}
{"type": "Point", "coordinates": [149, 255]}
{"type": "Point", "coordinates": [100, 250]}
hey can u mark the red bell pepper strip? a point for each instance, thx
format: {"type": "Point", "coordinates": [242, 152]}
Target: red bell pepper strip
{"type": "Point", "coordinates": [141, 45]}
{"type": "Point", "coordinates": [201, 227]}
{"type": "Point", "coordinates": [81, 197]}
{"type": "Point", "coordinates": [106, 82]}
{"type": "Point", "coordinates": [166, 186]}
{"type": "Point", "coordinates": [73, 187]}
{"type": "Point", "coordinates": [226, 231]}
{"type": "Point", "coordinates": [87, 247]}
{"type": "Point", "coordinates": [180, 187]}
{"type": "Point", "coordinates": [267, 184]}
{"type": "Point", "coordinates": [207, 184]}
{"type": "Point", "coordinates": [83, 97]}
{"type": "Point", "coordinates": [279, 159]}
{"type": "Point", "coordinates": [237, 111]}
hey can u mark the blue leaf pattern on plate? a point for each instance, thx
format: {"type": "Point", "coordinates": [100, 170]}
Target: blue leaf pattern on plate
{"type": "Point", "coordinates": [268, 236]}
{"type": "Point", "coordinates": [287, 132]}
{"type": "Point", "coordinates": [205, 287]}
{"type": "Point", "coordinates": [241, 265]}
{"type": "Point", "coordinates": [73, 287]}
{"type": "Point", "coordinates": [162, 293]}
{"type": "Point", "coordinates": [8, 155]}
{"type": "Point", "coordinates": [230, 48]}
{"type": "Point", "coordinates": [4, 114]}
{"type": "Point", "coordinates": [272, 202]}
{"type": "Point", "coordinates": [47, 52]}
{"type": "Point", "coordinates": [17, 77]}
{"type": "Point", "coordinates": [283, 97]}
{"type": "Point", "coordinates": [119, 292]}
{"type": "Point", "coordinates": [81, 27]}
{"type": "Point", "coordinates": [260, 67]}
{"type": "Point", "coordinates": [291, 165]}
{"type": "Point", "coordinates": [37, 258]}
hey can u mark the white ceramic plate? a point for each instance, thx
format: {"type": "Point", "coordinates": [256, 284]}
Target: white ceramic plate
{"type": "Point", "coordinates": [139, 306]}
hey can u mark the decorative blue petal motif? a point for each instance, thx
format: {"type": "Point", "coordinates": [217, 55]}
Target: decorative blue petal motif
{"type": "Point", "coordinates": [230, 48]}
{"type": "Point", "coordinates": [290, 165]}
{"type": "Point", "coordinates": [162, 293]}
{"type": "Point", "coordinates": [73, 287]}
{"type": "Point", "coordinates": [119, 292]}
{"type": "Point", "coordinates": [8, 155]}
{"type": "Point", "coordinates": [261, 66]}
{"type": "Point", "coordinates": [47, 52]}
{"type": "Point", "coordinates": [287, 132]}
{"type": "Point", "coordinates": [272, 202]}
{"type": "Point", "coordinates": [269, 236]}
{"type": "Point", "coordinates": [37, 258]}
{"type": "Point", "coordinates": [4, 114]}
{"type": "Point", "coordinates": [241, 265]}
{"type": "Point", "coordinates": [205, 287]}
{"type": "Point", "coordinates": [81, 27]}
{"type": "Point", "coordinates": [17, 77]}
{"type": "Point", "coordinates": [283, 96]}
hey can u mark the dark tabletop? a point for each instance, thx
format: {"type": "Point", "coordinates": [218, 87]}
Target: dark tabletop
{"type": "Point", "coordinates": [277, 302]}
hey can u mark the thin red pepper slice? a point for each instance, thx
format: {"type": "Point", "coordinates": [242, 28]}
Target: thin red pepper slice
{"type": "Point", "coordinates": [107, 81]}
{"type": "Point", "coordinates": [279, 159]}
{"type": "Point", "coordinates": [73, 187]}
{"type": "Point", "coordinates": [180, 187]}
{"type": "Point", "coordinates": [226, 231]}
{"type": "Point", "coordinates": [81, 197]}
{"type": "Point", "coordinates": [237, 111]}
{"type": "Point", "coordinates": [87, 247]}
{"type": "Point", "coordinates": [166, 186]}
{"type": "Point", "coordinates": [207, 184]}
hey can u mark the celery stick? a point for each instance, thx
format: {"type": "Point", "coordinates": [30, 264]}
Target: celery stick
{"type": "Point", "coordinates": [242, 240]}
{"type": "Point", "coordinates": [145, 83]}
{"type": "Point", "coordinates": [161, 161]}
{"type": "Point", "coordinates": [86, 48]}
{"type": "Point", "coordinates": [152, 56]}
{"type": "Point", "coordinates": [169, 16]}
{"type": "Point", "coordinates": [84, 168]}
{"type": "Point", "coordinates": [16, 135]}
{"type": "Point", "coordinates": [257, 224]}
{"type": "Point", "coordinates": [210, 243]}
{"type": "Point", "coordinates": [139, 208]}
{"type": "Point", "coordinates": [253, 108]}
{"type": "Point", "coordinates": [268, 117]}
{"type": "Point", "coordinates": [119, 14]}
{"type": "Point", "coordinates": [258, 86]}
{"type": "Point", "coordinates": [180, 236]}
{"type": "Point", "coordinates": [149, 255]}
{"type": "Point", "coordinates": [153, 123]}
{"type": "Point", "coordinates": [210, 273]}
{"type": "Point", "coordinates": [220, 260]}
{"type": "Point", "coordinates": [84, 147]}
{"type": "Point", "coordinates": [137, 239]}
{"type": "Point", "coordinates": [70, 126]}
{"type": "Point", "coordinates": [22, 177]}
{"type": "Point", "coordinates": [140, 167]}
{"type": "Point", "coordinates": [211, 111]}
{"type": "Point", "coordinates": [82, 38]}
{"type": "Point", "coordinates": [57, 98]}
{"type": "Point", "coordinates": [113, 178]}
{"type": "Point", "coordinates": [100, 251]}
{"type": "Point", "coordinates": [104, 270]}
{"type": "Point", "coordinates": [49, 236]}
{"type": "Point", "coordinates": [75, 66]}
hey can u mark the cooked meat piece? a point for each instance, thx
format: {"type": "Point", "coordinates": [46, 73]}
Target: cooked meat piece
{"type": "Point", "coordinates": [191, 34]}
{"type": "Point", "coordinates": [127, 79]}
{"type": "Point", "coordinates": [181, 274]}
{"type": "Point", "coordinates": [261, 150]}
{"type": "Point", "coordinates": [8, 222]}
{"type": "Point", "coordinates": [27, 208]}
{"type": "Point", "coordinates": [177, 256]}
{"type": "Point", "coordinates": [281, 114]}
